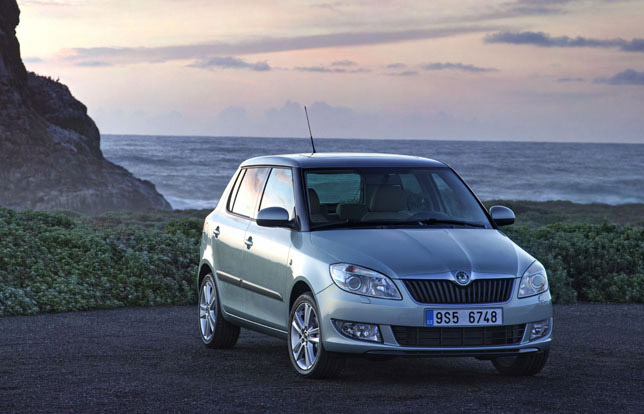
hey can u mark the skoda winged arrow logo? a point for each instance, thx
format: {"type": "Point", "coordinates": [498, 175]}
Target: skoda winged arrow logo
{"type": "Point", "coordinates": [462, 278]}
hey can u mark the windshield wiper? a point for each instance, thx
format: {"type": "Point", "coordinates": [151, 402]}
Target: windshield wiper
{"type": "Point", "coordinates": [356, 224]}
{"type": "Point", "coordinates": [431, 221]}
{"type": "Point", "coordinates": [382, 224]}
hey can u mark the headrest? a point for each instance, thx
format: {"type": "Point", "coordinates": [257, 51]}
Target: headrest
{"type": "Point", "coordinates": [314, 201]}
{"type": "Point", "coordinates": [351, 212]}
{"type": "Point", "coordinates": [388, 198]}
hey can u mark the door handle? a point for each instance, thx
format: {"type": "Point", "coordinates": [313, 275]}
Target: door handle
{"type": "Point", "coordinates": [249, 242]}
{"type": "Point", "coordinates": [216, 232]}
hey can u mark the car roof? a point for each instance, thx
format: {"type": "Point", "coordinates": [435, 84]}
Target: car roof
{"type": "Point", "coordinates": [343, 160]}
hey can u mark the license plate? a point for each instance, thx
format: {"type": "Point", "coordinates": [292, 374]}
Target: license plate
{"type": "Point", "coordinates": [463, 317]}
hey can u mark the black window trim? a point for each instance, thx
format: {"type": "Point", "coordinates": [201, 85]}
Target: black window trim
{"type": "Point", "coordinates": [232, 197]}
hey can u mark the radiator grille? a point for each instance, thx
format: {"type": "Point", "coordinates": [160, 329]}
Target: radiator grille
{"type": "Point", "coordinates": [453, 336]}
{"type": "Point", "coordinates": [447, 291]}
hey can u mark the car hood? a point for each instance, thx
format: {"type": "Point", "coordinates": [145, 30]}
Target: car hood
{"type": "Point", "coordinates": [422, 251]}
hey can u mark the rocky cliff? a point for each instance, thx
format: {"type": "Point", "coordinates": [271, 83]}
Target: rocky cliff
{"type": "Point", "coordinates": [50, 156]}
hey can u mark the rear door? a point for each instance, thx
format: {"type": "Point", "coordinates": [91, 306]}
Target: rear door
{"type": "Point", "coordinates": [230, 230]}
{"type": "Point", "coordinates": [265, 267]}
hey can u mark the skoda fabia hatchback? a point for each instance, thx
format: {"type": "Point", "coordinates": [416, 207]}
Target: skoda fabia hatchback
{"type": "Point", "coordinates": [371, 255]}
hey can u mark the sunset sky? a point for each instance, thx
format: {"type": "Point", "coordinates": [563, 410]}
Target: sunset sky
{"type": "Point", "coordinates": [551, 70]}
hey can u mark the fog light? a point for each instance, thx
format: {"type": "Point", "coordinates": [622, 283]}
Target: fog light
{"type": "Point", "coordinates": [361, 331]}
{"type": "Point", "coordinates": [539, 329]}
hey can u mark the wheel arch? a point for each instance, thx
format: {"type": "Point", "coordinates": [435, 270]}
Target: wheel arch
{"type": "Point", "coordinates": [204, 269]}
{"type": "Point", "coordinates": [300, 286]}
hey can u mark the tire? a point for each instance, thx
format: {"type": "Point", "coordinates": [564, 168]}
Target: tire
{"type": "Point", "coordinates": [521, 366]}
{"type": "Point", "coordinates": [305, 348]}
{"type": "Point", "coordinates": [215, 331]}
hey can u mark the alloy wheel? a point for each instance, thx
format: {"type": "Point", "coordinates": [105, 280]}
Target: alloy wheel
{"type": "Point", "coordinates": [305, 336]}
{"type": "Point", "coordinates": [207, 310]}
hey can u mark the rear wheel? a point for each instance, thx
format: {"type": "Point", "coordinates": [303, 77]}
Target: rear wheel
{"type": "Point", "coordinates": [216, 332]}
{"type": "Point", "coordinates": [523, 365]}
{"type": "Point", "coordinates": [306, 351]}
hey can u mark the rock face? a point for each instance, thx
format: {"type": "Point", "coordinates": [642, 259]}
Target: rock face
{"type": "Point", "coordinates": [50, 156]}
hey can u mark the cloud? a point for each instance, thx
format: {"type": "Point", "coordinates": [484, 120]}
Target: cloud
{"type": "Point", "coordinates": [627, 77]}
{"type": "Point", "coordinates": [532, 7]}
{"type": "Point", "coordinates": [635, 45]}
{"type": "Point", "coordinates": [344, 63]}
{"type": "Point", "coordinates": [92, 63]}
{"type": "Point", "coordinates": [542, 39]}
{"type": "Point", "coordinates": [32, 59]}
{"type": "Point", "coordinates": [260, 45]}
{"type": "Point", "coordinates": [396, 65]}
{"type": "Point", "coordinates": [564, 80]}
{"type": "Point", "coordinates": [405, 73]}
{"type": "Point", "coordinates": [51, 2]}
{"type": "Point", "coordinates": [319, 68]}
{"type": "Point", "coordinates": [457, 66]}
{"type": "Point", "coordinates": [591, 121]}
{"type": "Point", "coordinates": [517, 8]}
{"type": "Point", "coordinates": [326, 69]}
{"type": "Point", "coordinates": [230, 62]}
{"type": "Point", "coordinates": [329, 6]}
{"type": "Point", "coordinates": [522, 8]}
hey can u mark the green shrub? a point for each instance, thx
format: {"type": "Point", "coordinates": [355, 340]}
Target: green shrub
{"type": "Point", "coordinates": [57, 262]}
{"type": "Point", "coordinates": [52, 263]}
{"type": "Point", "coordinates": [189, 227]}
{"type": "Point", "coordinates": [616, 288]}
{"type": "Point", "coordinates": [601, 263]}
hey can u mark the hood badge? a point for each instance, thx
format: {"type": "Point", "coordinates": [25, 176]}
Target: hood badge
{"type": "Point", "coordinates": [462, 278]}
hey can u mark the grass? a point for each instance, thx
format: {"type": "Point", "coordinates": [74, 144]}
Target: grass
{"type": "Point", "coordinates": [57, 262]}
{"type": "Point", "coordinates": [541, 213]}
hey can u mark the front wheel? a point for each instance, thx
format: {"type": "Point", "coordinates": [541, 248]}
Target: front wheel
{"type": "Point", "coordinates": [522, 365]}
{"type": "Point", "coordinates": [306, 351]}
{"type": "Point", "coordinates": [216, 332]}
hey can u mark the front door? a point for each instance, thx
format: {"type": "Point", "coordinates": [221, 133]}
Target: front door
{"type": "Point", "coordinates": [265, 268]}
{"type": "Point", "coordinates": [230, 229]}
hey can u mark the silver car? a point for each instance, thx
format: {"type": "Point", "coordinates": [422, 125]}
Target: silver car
{"type": "Point", "coordinates": [369, 254]}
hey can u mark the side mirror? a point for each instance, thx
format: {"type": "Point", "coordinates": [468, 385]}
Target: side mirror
{"type": "Point", "coordinates": [274, 217]}
{"type": "Point", "coordinates": [501, 215]}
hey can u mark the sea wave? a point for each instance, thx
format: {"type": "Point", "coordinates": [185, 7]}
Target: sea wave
{"type": "Point", "coordinates": [192, 172]}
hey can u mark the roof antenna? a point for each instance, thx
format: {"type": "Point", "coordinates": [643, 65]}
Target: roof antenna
{"type": "Point", "coordinates": [309, 123]}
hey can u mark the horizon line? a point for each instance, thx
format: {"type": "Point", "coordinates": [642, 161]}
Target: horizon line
{"type": "Point", "coordinates": [378, 139]}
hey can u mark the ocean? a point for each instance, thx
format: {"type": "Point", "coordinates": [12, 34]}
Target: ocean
{"type": "Point", "coordinates": [192, 172]}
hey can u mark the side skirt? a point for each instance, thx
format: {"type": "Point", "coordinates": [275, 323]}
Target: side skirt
{"type": "Point", "coordinates": [254, 326]}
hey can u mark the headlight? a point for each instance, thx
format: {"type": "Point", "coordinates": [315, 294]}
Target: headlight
{"type": "Point", "coordinates": [534, 281]}
{"type": "Point", "coordinates": [363, 281]}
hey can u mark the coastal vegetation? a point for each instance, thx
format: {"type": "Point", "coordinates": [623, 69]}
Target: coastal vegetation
{"type": "Point", "coordinates": [58, 262]}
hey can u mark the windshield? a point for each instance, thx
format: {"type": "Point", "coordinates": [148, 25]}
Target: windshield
{"type": "Point", "coordinates": [365, 197]}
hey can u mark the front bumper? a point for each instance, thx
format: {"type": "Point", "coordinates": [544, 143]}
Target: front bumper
{"type": "Point", "coordinates": [334, 303]}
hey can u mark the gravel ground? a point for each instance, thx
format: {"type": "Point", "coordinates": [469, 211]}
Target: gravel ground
{"type": "Point", "coordinates": [151, 359]}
